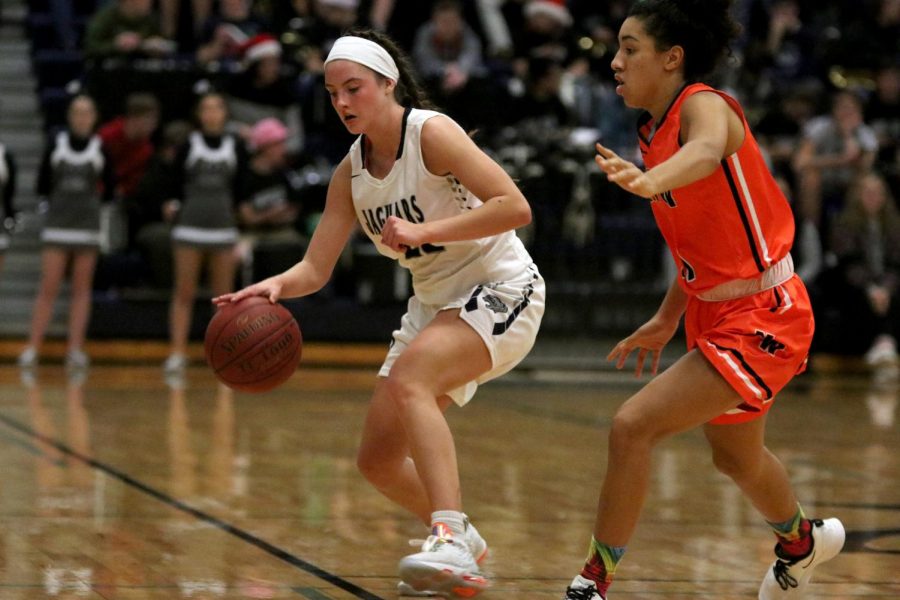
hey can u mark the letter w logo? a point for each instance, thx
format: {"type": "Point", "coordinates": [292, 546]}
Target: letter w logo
{"type": "Point", "coordinates": [768, 342]}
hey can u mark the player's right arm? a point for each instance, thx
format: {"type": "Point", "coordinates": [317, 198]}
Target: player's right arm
{"type": "Point", "coordinates": [313, 272]}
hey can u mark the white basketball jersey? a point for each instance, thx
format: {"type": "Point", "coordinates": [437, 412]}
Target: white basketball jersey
{"type": "Point", "coordinates": [443, 272]}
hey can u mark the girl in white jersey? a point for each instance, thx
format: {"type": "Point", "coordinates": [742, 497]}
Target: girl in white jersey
{"type": "Point", "coordinates": [428, 197]}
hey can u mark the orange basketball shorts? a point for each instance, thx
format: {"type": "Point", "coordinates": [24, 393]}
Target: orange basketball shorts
{"type": "Point", "coordinates": [757, 343]}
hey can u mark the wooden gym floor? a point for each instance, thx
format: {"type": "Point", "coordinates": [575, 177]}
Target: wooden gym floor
{"type": "Point", "coordinates": [123, 485]}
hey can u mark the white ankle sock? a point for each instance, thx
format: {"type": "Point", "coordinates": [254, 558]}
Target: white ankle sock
{"type": "Point", "coordinates": [453, 519]}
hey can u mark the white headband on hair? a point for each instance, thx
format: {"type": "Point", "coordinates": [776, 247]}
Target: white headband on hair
{"type": "Point", "coordinates": [366, 53]}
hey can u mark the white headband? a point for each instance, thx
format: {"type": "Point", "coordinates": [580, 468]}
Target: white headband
{"type": "Point", "coordinates": [366, 53]}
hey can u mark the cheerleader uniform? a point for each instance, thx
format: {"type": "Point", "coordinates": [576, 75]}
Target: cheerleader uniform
{"type": "Point", "coordinates": [75, 177]}
{"type": "Point", "coordinates": [212, 167]}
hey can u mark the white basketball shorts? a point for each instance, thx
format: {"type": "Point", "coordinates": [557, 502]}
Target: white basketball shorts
{"type": "Point", "coordinates": [505, 314]}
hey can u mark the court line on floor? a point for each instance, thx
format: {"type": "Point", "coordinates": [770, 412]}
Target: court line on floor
{"type": "Point", "coordinates": [237, 532]}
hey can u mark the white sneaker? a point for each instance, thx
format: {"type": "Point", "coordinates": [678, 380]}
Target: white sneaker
{"type": "Point", "coordinates": [28, 358]}
{"type": "Point", "coordinates": [477, 546]}
{"type": "Point", "coordinates": [788, 578]}
{"type": "Point", "coordinates": [77, 360]}
{"type": "Point", "coordinates": [582, 588]}
{"type": "Point", "coordinates": [175, 363]}
{"type": "Point", "coordinates": [445, 566]}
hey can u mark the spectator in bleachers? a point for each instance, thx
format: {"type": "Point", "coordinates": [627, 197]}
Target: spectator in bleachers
{"type": "Point", "coordinates": [128, 141]}
{"type": "Point", "coordinates": [126, 28]}
{"type": "Point", "coordinates": [63, 14]}
{"type": "Point", "coordinates": [209, 174]}
{"type": "Point", "coordinates": [7, 192]}
{"type": "Point", "coordinates": [448, 57]}
{"type": "Point", "coordinates": [834, 149]}
{"type": "Point", "coordinates": [541, 101]}
{"type": "Point", "coordinates": [867, 245]}
{"type": "Point", "coordinates": [182, 23]}
{"type": "Point", "coordinates": [150, 209]}
{"type": "Point", "coordinates": [870, 33]}
{"type": "Point", "coordinates": [883, 113]}
{"type": "Point", "coordinates": [333, 17]}
{"type": "Point", "coordinates": [226, 31]}
{"type": "Point", "coordinates": [325, 136]}
{"type": "Point", "coordinates": [783, 119]}
{"type": "Point", "coordinates": [545, 31]}
{"type": "Point", "coordinates": [265, 88]}
{"type": "Point", "coordinates": [270, 200]}
{"type": "Point", "coordinates": [782, 45]}
{"type": "Point", "coordinates": [403, 19]}
{"type": "Point", "coordinates": [75, 176]}
{"type": "Point", "coordinates": [294, 23]}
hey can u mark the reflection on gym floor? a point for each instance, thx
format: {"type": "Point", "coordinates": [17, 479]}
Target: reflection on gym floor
{"type": "Point", "coordinates": [119, 484]}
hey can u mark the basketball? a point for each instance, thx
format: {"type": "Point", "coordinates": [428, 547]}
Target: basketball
{"type": "Point", "coordinates": [253, 345]}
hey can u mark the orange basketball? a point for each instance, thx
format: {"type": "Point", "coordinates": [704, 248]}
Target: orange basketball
{"type": "Point", "coordinates": [253, 345]}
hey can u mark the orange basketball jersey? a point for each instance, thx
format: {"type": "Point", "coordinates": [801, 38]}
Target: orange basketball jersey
{"type": "Point", "coordinates": [732, 224]}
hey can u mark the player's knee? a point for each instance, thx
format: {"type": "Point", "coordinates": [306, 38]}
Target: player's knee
{"type": "Point", "coordinates": [403, 391]}
{"type": "Point", "coordinates": [371, 465]}
{"type": "Point", "coordinates": [630, 430]}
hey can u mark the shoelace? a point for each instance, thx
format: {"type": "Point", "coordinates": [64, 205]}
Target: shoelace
{"type": "Point", "coordinates": [581, 593]}
{"type": "Point", "coordinates": [431, 543]}
{"type": "Point", "coordinates": [784, 579]}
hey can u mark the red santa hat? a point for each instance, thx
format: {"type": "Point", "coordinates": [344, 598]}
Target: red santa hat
{"type": "Point", "coordinates": [260, 46]}
{"type": "Point", "coordinates": [555, 9]}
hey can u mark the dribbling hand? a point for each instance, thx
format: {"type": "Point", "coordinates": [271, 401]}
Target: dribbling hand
{"type": "Point", "coordinates": [269, 288]}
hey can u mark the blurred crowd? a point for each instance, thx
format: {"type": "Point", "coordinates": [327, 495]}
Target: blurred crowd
{"type": "Point", "coordinates": [531, 79]}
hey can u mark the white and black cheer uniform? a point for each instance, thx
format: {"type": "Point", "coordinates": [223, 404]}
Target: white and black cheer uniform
{"type": "Point", "coordinates": [211, 168]}
{"type": "Point", "coordinates": [75, 177]}
{"type": "Point", "coordinates": [7, 191]}
{"type": "Point", "coordinates": [492, 280]}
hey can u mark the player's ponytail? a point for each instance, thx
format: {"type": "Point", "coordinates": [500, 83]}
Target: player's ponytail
{"type": "Point", "coordinates": [704, 28]}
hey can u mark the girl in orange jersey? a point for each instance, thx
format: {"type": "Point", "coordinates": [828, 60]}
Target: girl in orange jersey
{"type": "Point", "coordinates": [747, 316]}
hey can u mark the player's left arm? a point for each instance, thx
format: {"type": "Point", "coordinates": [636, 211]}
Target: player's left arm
{"type": "Point", "coordinates": [705, 138]}
{"type": "Point", "coordinates": [446, 149]}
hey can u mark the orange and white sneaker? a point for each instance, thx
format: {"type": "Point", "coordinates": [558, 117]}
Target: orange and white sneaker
{"type": "Point", "coordinates": [445, 566]}
{"type": "Point", "coordinates": [788, 577]}
{"type": "Point", "coordinates": [477, 546]}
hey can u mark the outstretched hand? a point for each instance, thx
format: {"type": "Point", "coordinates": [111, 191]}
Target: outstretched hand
{"type": "Point", "coordinates": [269, 288]}
{"type": "Point", "coordinates": [624, 173]}
{"type": "Point", "coordinates": [649, 338]}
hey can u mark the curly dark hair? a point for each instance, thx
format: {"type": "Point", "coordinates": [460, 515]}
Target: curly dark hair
{"type": "Point", "coordinates": [409, 92]}
{"type": "Point", "coordinates": [704, 28]}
